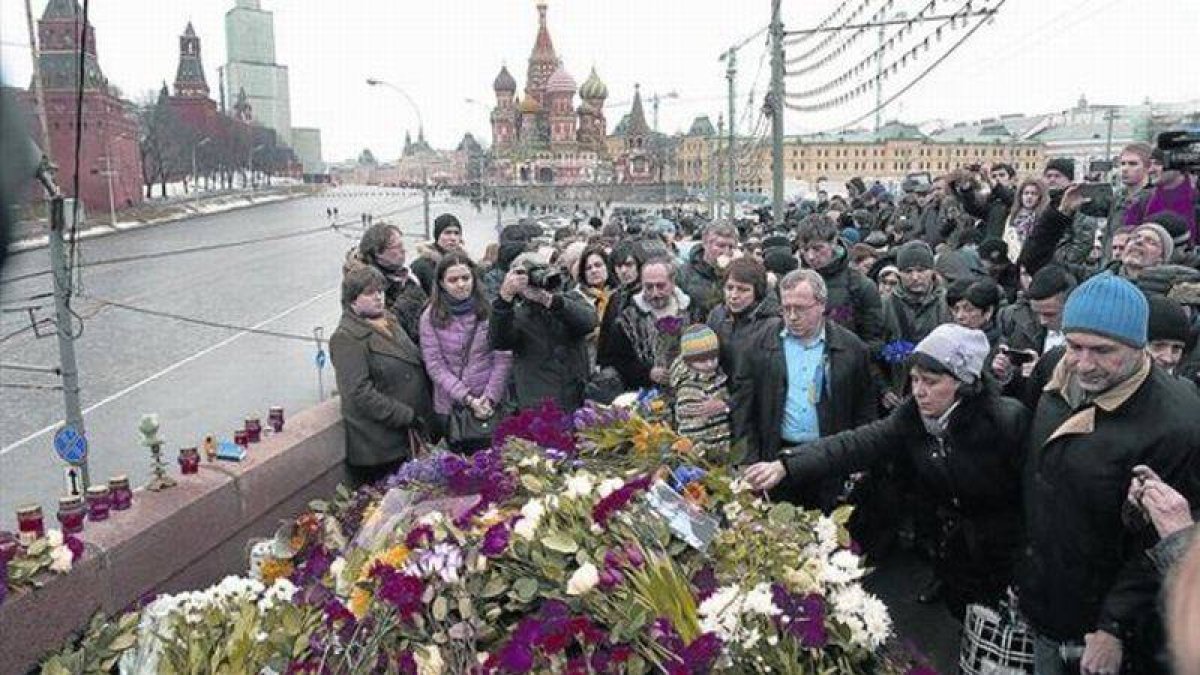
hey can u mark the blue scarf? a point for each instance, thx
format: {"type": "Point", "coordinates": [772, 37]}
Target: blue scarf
{"type": "Point", "coordinates": [461, 307]}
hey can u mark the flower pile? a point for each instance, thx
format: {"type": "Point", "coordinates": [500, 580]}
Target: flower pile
{"type": "Point", "coordinates": [21, 569]}
{"type": "Point", "coordinates": [589, 543]}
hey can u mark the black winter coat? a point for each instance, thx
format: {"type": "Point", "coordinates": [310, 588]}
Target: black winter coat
{"type": "Point", "coordinates": [1083, 568]}
{"type": "Point", "coordinates": [759, 392]}
{"type": "Point", "coordinates": [972, 478]}
{"type": "Point", "coordinates": [549, 347]}
{"type": "Point", "coordinates": [383, 388]}
{"type": "Point", "coordinates": [702, 282]}
{"type": "Point", "coordinates": [993, 211]}
{"type": "Point", "coordinates": [853, 301]}
{"type": "Point", "coordinates": [739, 333]}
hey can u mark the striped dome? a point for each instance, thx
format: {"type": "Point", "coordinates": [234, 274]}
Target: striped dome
{"type": "Point", "coordinates": [560, 81]}
{"type": "Point", "coordinates": [593, 87]}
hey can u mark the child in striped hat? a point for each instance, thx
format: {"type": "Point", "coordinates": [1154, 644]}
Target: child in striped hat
{"type": "Point", "coordinates": [701, 398]}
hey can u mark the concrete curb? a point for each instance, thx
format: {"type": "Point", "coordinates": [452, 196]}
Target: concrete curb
{"type": "Point", "coordinates": [35, 243]}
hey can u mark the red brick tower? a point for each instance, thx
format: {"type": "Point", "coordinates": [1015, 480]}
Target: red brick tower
{"type": "Point", "coordinates": [109, 148]}
{"type": "Point", "coordinates": [191, 103]}
{"type": "Point", "coordinates": [542, 61]}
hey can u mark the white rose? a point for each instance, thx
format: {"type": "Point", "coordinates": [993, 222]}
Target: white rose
{"type": "Point", "coordinates": [583, 580]}
{"type": "Point", "coordinates": [609, 486]}
{"type": "Point", "coordinates": [54, 538]}
{"type": "Point", "coordinates": [579, 485]}
{"type": "Point", "coordinates": [60, 560]}
{"type": "Point", "coordinates": [429, 661]}
{"type": "Point", "coordinates": [531, 517]}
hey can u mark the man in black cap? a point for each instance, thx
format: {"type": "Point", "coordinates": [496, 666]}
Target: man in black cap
{"type": "Point", "coordinates": [1169, 333]}
{"type": "Point", "coordinates": [1063, 233]}
{"type": "Point", "coordinates": [993, 253]}
{"type": "Point", "coordinates": [914, 309]}
{"type": "Point", "coordinates": [1030, 329]}
{"type": "Point", "coordinates": [447, 236]}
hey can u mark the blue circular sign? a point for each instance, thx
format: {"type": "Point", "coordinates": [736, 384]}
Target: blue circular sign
{"type": "Point", "coordinates": [320, 358]}
{"type": "Point", "coordinates": [70, 445]}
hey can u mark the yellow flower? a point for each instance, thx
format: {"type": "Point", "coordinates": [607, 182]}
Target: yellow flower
{"type": "Point", "coordinates": [682, 445]}
{"type": "Point", "coordinates": [360, 600]}
{"type": "Point", "coordinates": [695, 493]}
{"type": "Point", "coordinates": [274, 568]}
{"type": "Point", "coordinates": [657, 405]}
{"type": "Point", "coordinates": [395, 556]}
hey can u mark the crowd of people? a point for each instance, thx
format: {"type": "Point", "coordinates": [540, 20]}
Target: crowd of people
{"type": "Point", "coordinates": [998, 372]}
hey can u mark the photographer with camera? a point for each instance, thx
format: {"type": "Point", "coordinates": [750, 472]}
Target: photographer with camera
{"type": "Point", "coordinates": [1065, 232]}
{"type": "Point", "coordinates": [546, 328]}
{"type": "Point", "coordinates": [990, 205]}
{"type": "Point", "coordinates": [1179, 155]}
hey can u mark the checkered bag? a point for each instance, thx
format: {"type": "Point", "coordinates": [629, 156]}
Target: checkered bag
{"type": "Point", "coordinates": [995, 642]}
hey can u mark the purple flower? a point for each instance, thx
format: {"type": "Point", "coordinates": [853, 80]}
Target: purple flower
{"type": "Point", "coordinates": [3, 579]}
{"type": "Point", "coordinates": [701, 654]}
{"type": "Point", "coordinates": [495, 540]}
{"type": "Point", "coordinates": [418, 536]}
{"type": "Point", "coordinates": [705, 582]}
{"type": "Point", "coordinates": [547, 426]}
{"type": "Point", "coordinates": [75, 545]}
{"type": "Point", "coordinates": [896, 351]}
{"type": "Point", "coordinates": [313, 568]}
{"type": "Point", "coordinates": [806, 616]}
{"type": "Point", "coordinates": [610, 505]}
{"type": "Point", "coordinates": [399, 590]}
{"type": "Point", "coordinates": [406, 663]}
{"type": "Point", "coordinates": [425, 471]}
{"type": "Point", "coordinates": [669, 325]}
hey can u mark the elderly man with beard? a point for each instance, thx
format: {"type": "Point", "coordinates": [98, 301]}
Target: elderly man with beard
{"type": "Point", "coordinates": [1084, 580]}
{"type": "Point", "coordinates": [632, 343]}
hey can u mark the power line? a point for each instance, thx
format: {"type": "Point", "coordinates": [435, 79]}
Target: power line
{"type": "Point", "coordinates": [876, 53]}
{"type": "Point", "coordinates": [73, 239]}
{"type": "Point", "coordinates": [202, 322]}
{"type": "Point", "coordinates": [825, 22]}
{"type": "Point", "coordinates": [916, 80]}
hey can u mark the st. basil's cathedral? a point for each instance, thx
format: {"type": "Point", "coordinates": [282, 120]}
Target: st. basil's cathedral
{"type": "Point", "coordinates": [543, 139]}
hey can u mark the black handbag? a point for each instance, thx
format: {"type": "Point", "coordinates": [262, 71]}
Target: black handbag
{"type": "Point", "coordinates": [465, 431]}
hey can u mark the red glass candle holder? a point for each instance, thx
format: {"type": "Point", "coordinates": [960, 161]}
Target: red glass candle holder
{"type": "Point", "coordinates": [98, 503]}
{"type": "Point", "coordinates": [189, 460]}
{"type": "Point", "coordinates": [120, 495]}
{"type": "Point", "coordinates": [253, 429]}
{"type": "Point", "coordinates": [275, 418]}
{"type": "Point", "coordinates": [30, 525]}
{"type": "Point", "coordinates": [240, 437]}
{"type": "Point", "coordinates": [71, 513]}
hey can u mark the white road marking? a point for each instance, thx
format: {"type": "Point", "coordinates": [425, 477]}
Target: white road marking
{"type": "Point", "coordinates": [174, 366]}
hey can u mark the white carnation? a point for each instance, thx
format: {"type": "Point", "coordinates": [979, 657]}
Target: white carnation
{"type": "Point", "coordinates": [583, 580]}
{"type": "Point", "coordinates": [843, 568]}
{"type": "Point", "coordinates": [531, 517]}
{"type": "Point", "coordinates": [60, 559]}
{"type": "Point", "coordinates": [54, 538]}
{"type": "Point", "coordinates": [609, 486]}
{"type": "Point", "coordinates": [580, 485]}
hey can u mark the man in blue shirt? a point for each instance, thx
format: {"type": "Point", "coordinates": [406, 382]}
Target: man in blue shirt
{"type": "Point", "coordinates": [807, 378]}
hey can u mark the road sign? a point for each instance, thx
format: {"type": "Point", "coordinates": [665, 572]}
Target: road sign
{"type": "Point", "coordinates": [74, 480]}
{"type": "Point", "coordinates": [320, 358]}
{"type": "Point", "coordinates": [70, 445]}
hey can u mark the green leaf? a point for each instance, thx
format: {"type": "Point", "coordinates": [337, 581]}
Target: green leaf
{"type": "Point", "coordinates": [782, 514]}
{"type": "Point", "coordinates": [123, 642]}
{"type": "Point", "coordinates": [526, 589]}
{"type": "Point", "coordinates": [532, 483]}
{"type": "Point", "coordinates": [561, 542]}
{"type": "Point", "coordinates": [841, 515]}
{"type": "Point", "coordinates": [441, 608]}
{"type": "Point", "coordinates": [495, 586]}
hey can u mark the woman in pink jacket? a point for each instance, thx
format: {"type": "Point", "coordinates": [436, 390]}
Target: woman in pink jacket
{"type": "Point", "coordinates": [465, 370]}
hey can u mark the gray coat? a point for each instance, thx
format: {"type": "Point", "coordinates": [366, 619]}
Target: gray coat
{"type": "Point", "coordinates": [383, 388]}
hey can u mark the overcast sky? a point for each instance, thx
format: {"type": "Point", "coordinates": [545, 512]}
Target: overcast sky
{"type": "Point", "coordinates": [1036, 56]}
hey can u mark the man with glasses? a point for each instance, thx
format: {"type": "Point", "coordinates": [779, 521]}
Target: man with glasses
{"type": "Point", "coordinates": [806, 378]}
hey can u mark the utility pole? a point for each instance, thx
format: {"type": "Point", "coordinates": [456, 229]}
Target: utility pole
{"type": "Point", "coordinates": [1110, 116]}
{"type": "Point", "coordinates": [879, 71]}
{"type": "Point", "coordinates": [62, 310]}
{"type": "Point", "coordinates": [776, 104]}
{"type": "Point", "coordinates": [731, 74]}
{"type": "Point", "coordinates": [425, 195]}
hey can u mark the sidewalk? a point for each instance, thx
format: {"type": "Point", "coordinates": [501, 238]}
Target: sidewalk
{"type": "Point", "coordinates": [157, 213]}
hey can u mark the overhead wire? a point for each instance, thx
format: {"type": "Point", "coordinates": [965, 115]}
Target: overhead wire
{"type": "Point", "coordinates": [81, 74]}
{"type": "Point", "coordinates": [917, 79]}
{"type": "Point", "coordinates": [824, 22]}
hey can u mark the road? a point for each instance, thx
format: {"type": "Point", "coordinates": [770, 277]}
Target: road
{"type": "Point", "coordinates": [198, 379]}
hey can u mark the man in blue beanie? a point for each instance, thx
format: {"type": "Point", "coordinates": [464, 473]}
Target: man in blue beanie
{"type": "Point", "coordinates": [1084, 581]}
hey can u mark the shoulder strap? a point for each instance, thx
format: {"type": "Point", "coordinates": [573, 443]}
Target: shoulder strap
{"type": "Point", "coordinates": [466, 352]}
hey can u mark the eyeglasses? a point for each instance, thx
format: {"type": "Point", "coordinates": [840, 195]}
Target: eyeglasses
{"type": "Point", "coordinates": [797, 310]}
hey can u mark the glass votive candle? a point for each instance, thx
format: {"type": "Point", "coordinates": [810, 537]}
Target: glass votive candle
{"type": "Point", "coordinates": [240, 437]}
{"type": "Point", "coordinates": [71, 513]}
{"type": "Point", "coordinates": [30, 525]}
{"type": "Point", "coordinates": [189, 460]}
{"type": "Point", "coordinates": [98, 503]}
{"type": "Point", "coordinates": [120, 495]}
{"type": "Point", "coordinates": [275, 418]}
{"type": "Point", "coordinates": [253, 429]}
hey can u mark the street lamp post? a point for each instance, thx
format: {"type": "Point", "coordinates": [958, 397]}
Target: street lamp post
{"type": "Point", "coordinates": [421, 125]}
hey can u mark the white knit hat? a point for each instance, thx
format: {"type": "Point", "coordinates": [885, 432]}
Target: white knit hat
{"type": "Point", "coordinates": [960, 350]}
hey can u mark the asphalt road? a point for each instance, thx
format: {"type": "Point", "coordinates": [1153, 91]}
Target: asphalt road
{"type": "Point", "coordinates": [198, 379]}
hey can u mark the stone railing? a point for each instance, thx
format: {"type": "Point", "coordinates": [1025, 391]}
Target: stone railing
{"type": "Point", "coordinates": [187, 537]}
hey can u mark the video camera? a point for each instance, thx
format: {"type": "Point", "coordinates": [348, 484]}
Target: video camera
{"type": "Point", "coordinates": [1180, 150]}
{"type": "Point", "coordinates": [545, 277]}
